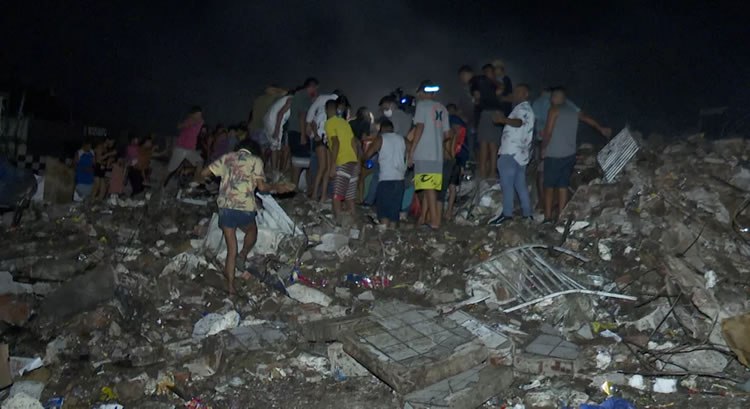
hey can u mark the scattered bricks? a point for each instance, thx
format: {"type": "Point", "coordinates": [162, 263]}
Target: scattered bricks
{"type": "Point", "coordinates": [13, 310]}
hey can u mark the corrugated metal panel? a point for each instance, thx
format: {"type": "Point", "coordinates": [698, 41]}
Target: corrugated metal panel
{"type": "Point", "coordinates": [618, 152]}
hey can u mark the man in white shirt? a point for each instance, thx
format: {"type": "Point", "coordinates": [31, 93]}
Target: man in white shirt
{"type": "Point", "coordinates": [274, 121]}
{"type": "Point", "coordinates": [513, 155]}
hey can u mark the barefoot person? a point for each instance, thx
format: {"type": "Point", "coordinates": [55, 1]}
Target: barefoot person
{"type": "Point", "coordinates": [241, 172]}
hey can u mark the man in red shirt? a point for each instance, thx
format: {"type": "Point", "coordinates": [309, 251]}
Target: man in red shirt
{"type": "Point", "coordinates": [185, 147]}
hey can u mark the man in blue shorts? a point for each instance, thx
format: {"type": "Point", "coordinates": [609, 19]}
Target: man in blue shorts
{"type": "Point", "coordinates": [559, 146]}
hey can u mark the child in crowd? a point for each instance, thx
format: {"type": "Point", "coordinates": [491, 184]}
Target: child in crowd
{"type": "Point", "coordinates": [345, 150]}
{"type": "Point", "coordinates": [241, 173]}
{"type": "Point", "coordinates": [391, 148]}
{"type": "Point", "coordinates": [84, 166]}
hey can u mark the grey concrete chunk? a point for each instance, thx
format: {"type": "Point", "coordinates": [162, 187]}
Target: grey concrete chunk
{"type": "Point", "coordinates": [410, 347]}
{"type": "Point", "coordinates": [466, 390]}
{"type": "Point", "coordinates": [553, 346]}
{"type": "Point", "coordinates": [255, 337]}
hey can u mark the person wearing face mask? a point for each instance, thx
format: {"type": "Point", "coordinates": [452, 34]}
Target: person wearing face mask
{"type": "Point", "coordinates": [402, 122]}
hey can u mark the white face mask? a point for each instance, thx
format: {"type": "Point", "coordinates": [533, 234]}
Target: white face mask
{"type": "Point", "coordinates": [388, 113]}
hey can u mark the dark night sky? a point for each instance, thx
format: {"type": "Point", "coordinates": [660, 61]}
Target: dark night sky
{"type": "Point", "coordinates": [143, 65]}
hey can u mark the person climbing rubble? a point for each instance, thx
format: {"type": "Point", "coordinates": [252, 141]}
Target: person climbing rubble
{"type": "Point", "coordinates": [241, 173]}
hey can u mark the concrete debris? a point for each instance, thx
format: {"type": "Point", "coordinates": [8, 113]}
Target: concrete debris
{"type": "Point", "coordinates": [9, 286]}
{"type": "Point", "coordinates": [467, 390]}
{"type": "Point", "coordinates": [212, 324]}
{"type": "Point", "coordinates": [332, 242]}
{"type": "Point", "coordinates": [410, 348]}
{"type": "Point", "coordinates": [554, 347]}
{"type": "Point", "coordinates": [308, 295]}
{"type": "Point", "coordinates": [701, 361]}
{"type": "Point", "coordinates": [30, 388]}
{"type": "Point", "coordinates": [22, 401]}
{"type": "Point", "coordinates": [343, 363]}
{"type": "Point", "coordinates": [665, 385]}
{"type": "Point", "coordinates": [335, 312]}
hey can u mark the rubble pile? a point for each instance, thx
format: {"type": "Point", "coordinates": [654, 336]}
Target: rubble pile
{"type": "Point", "coordinates": [637, 296]}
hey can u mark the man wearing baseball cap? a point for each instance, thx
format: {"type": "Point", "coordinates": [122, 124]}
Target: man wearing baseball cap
{"type": "Point", "coordinates": [432, 128]}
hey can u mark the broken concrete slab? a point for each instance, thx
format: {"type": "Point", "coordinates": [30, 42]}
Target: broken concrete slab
{"type": "Point", "coordinates": [554, 347]}
{"type": "Point", "coordinates": [255, 337]}
{"type": "Point", "coordinates": [9, 286]}
{"type": "Point", "coordinates": [333, 329]}
{"type": "Point", "coordinates": [410, 348]}
{"type": "Point", "coordinates": [544, 365]}
{"type": "Point", "coordinates": [467, 390]}
{"type": "Point", "coordinates": [308, 295]}
{"type": "Point", "coordinates": [703, 361]}
{"type": "Point", "coordinates": [81, 293]}
{"type": "Point", "coordinates": [22, 401]}
{"type": "Point", "coordinates": [213, 323]}
{"type": "Point", "coordinates": [343, 363]}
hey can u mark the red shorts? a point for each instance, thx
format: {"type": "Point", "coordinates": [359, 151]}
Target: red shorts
{"type": "Point", "coordinates": [345, 182]}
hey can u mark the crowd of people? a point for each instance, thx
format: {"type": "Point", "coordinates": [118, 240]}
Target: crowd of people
{"type": "Point", "coordinates": [414, 150]}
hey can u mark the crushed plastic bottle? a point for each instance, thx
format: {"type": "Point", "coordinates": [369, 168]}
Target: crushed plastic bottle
{"type": "Point", "coordinates": [297, 277]}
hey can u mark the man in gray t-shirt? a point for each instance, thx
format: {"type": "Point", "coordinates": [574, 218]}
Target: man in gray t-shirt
{"type": "Point", "coordinates": [432, 128]}
{"type": "Point", "coordinates": [559, 144]}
